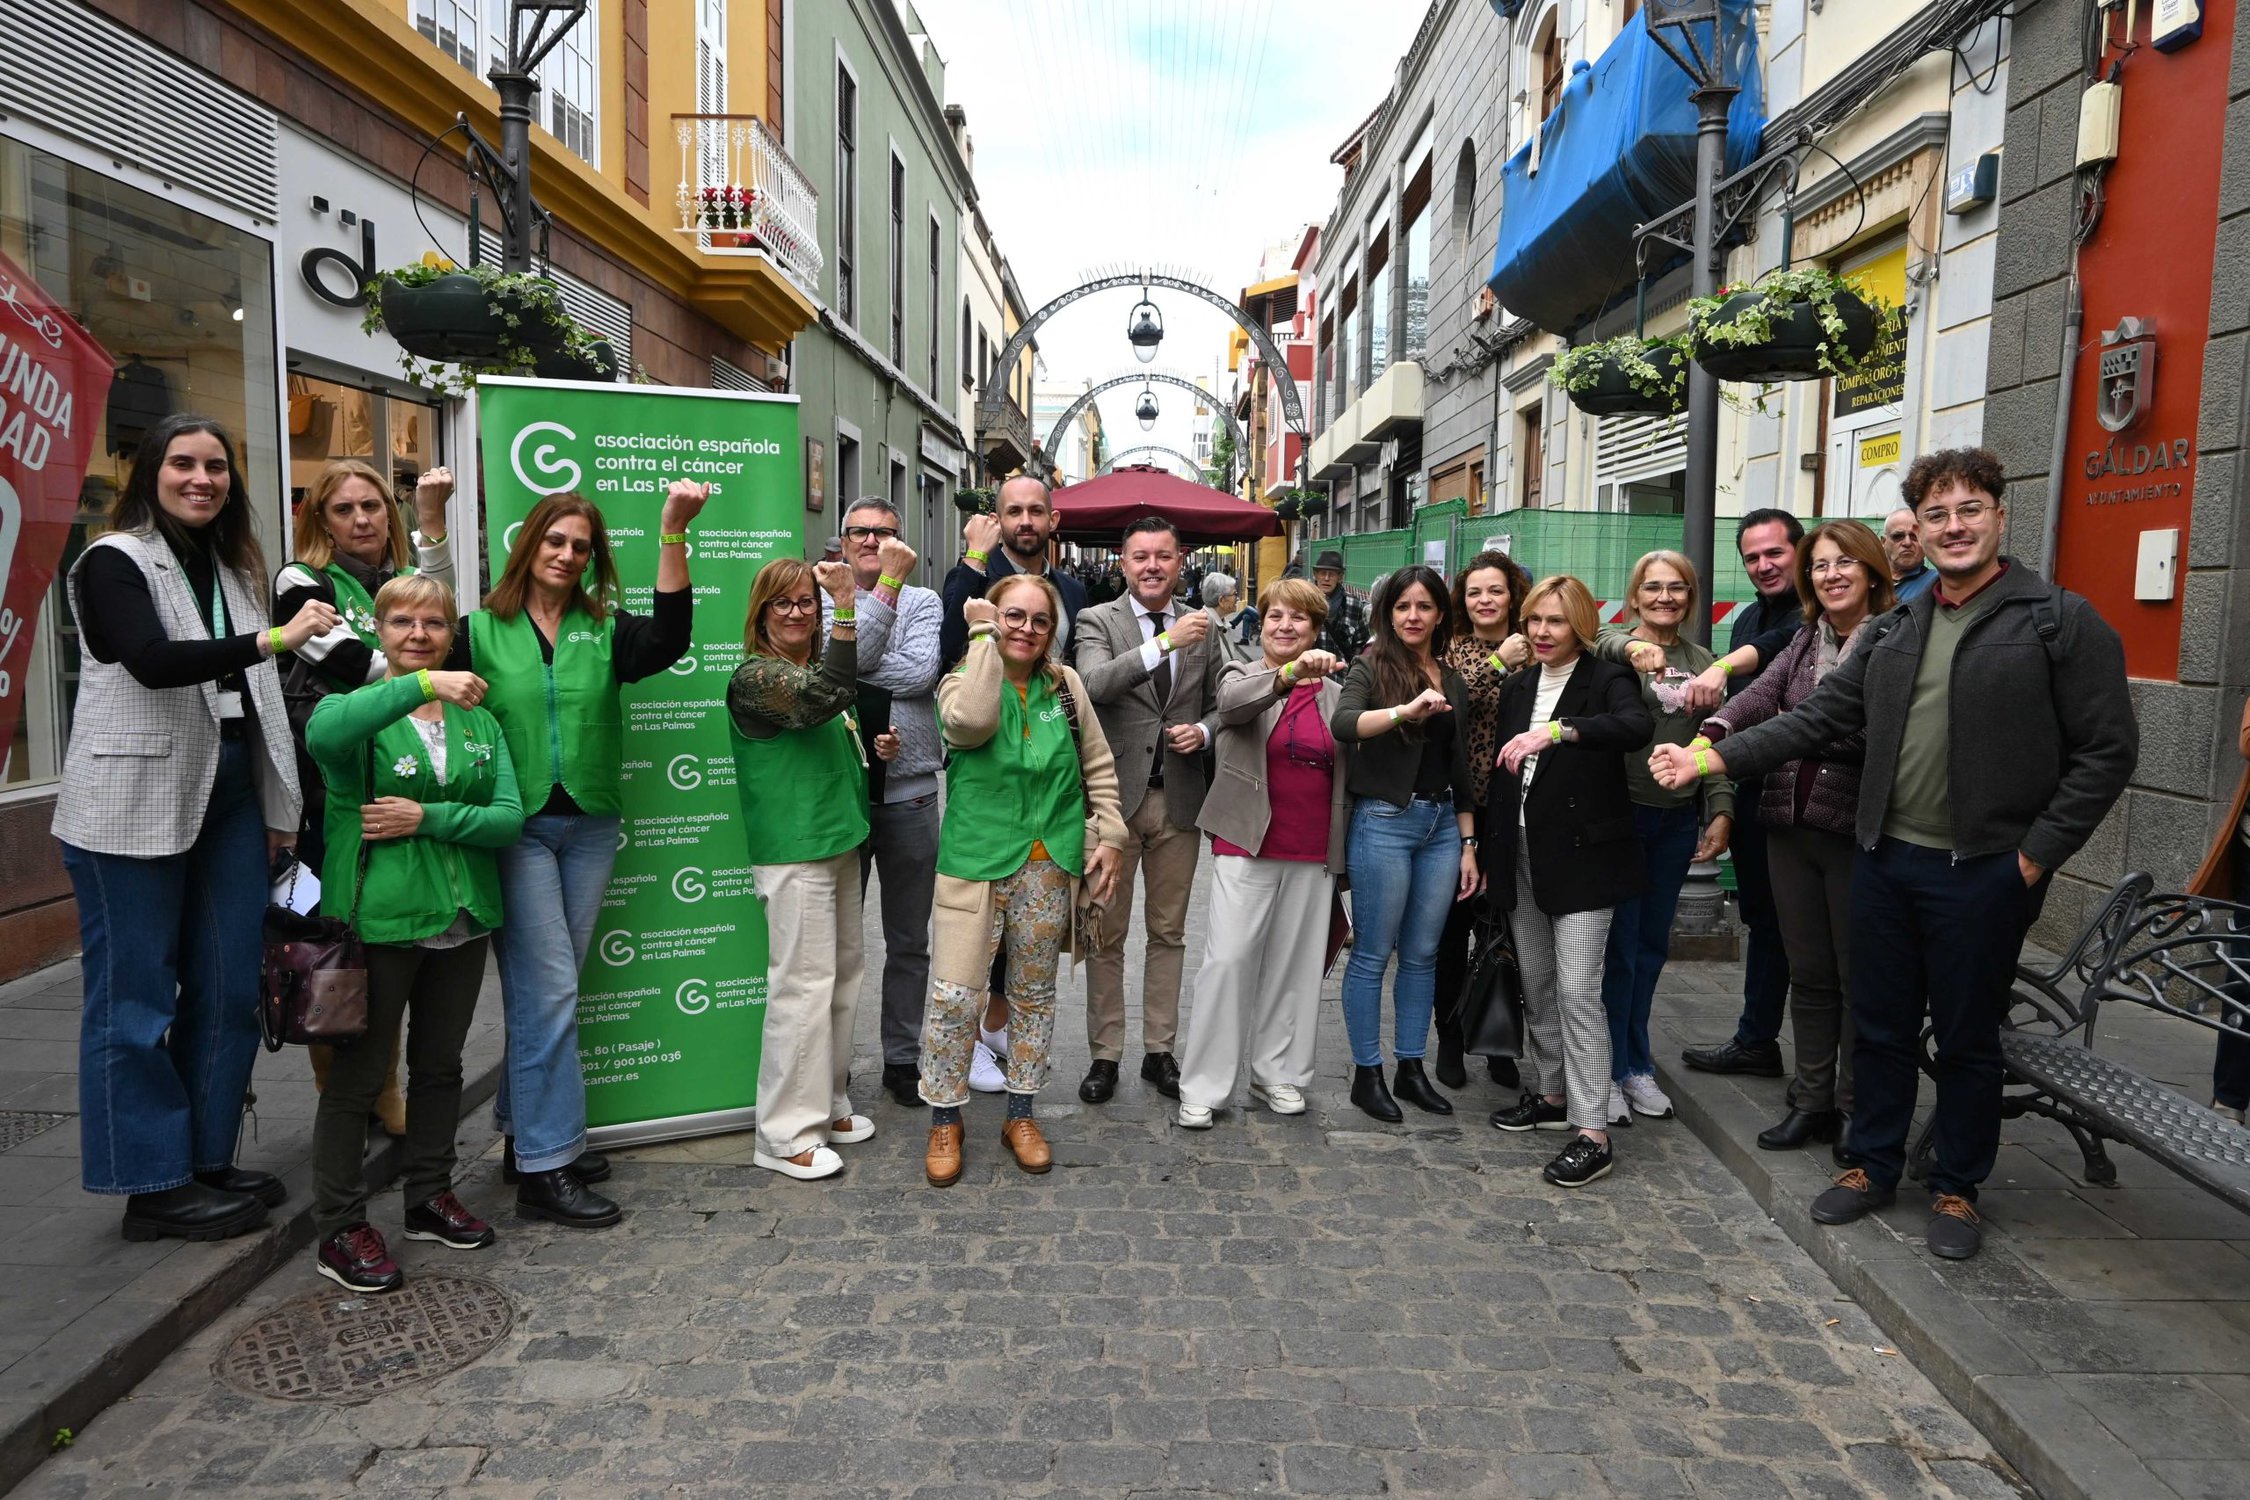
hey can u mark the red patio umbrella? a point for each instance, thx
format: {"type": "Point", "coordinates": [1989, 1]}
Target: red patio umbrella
{"type": "Point", "coordinates": [1100, 509]}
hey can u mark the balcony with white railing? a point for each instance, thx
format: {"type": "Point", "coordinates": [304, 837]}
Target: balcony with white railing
{"type": "Point", "coordinates": [740, 193]}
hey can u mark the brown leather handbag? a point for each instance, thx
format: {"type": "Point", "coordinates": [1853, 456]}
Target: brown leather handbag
{"type": "Point", "coordinates": [315, 990]}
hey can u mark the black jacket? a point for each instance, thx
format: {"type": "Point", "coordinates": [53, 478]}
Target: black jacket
{"type": "Point", "coordinates": [2042, 732]}
{"type": "Point", "coordinates": [1585, 854]}
{"type": "Point", "coordinates": [964, 583]}
{"type": "Point", "coordinates": [1385, 766]}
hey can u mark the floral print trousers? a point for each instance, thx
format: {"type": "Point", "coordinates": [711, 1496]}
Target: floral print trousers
{"type": "Point", "coordinates": [1031, 913]}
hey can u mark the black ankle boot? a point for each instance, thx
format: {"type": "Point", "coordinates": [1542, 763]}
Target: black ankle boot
{"type": "Point", "coordinates": [1410, 1083]}
{"type": "Point", "coordinates": [1504, 1072]}
{"type": "Point", "coordinates": [1452, 1070]}
{"type": "Point", "coordinates": [1799, 1126]}
{"type": "Point", "coordinates": [1370, 1095]}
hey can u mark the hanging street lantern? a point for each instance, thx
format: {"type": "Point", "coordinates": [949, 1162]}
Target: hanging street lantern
{"type": "Point", "coordinates": [1144, 328]}
{"type": "Point", "coordinates": [1145, 408]}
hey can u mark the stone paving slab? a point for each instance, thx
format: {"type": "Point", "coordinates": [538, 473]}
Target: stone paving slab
{"type": "Point", "coordinates": [1319, 1305]}
{"type": "Point", "coordinates": [84, 1315]}
{"type": "Point", "coordinates": [2102, 1338]}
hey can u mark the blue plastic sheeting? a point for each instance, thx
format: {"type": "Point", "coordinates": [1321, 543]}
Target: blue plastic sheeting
{"type": "Point", "coordinates": [1617, 151]}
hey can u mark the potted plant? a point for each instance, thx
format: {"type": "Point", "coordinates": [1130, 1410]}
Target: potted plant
{"type": "Point", "coordinates": [1311, 503]}
{"type": "Point", "coordinates": [1624, 375]}
{"type": "Point", "coordinates": [582, 357]}
{"type": "Point", "coordinates": [1798, 324]}
{"type": "Point", "coordinates": [973, 502]}
{"type": "Point", "coordinates": [1285, 505]}
{"type": "Point", "coordinates": [479, 319]}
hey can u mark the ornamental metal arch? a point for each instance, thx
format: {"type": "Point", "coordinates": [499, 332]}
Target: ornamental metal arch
{"type": "Point", "coordinates": [1112, 461]}
{"type": "Point", "coordinates": [988, 400]}
{"type": "Point", "coordinates": [1144, 377]}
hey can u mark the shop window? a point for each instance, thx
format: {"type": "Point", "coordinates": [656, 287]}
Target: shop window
{"type": "Point", "coordinates": [329, 421]}
{"type": "Point", "coordinates": [184, 304]}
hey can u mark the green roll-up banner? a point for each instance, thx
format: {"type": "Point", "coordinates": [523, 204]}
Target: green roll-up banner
{"type": "Point", "coordinates": [672, 997]}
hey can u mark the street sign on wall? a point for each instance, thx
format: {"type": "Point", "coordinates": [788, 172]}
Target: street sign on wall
{"type": "Point", "coordinates": [672, 996]}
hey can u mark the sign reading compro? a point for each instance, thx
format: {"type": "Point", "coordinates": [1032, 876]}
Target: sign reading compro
{"type": "Point", "coordinates": [672, 994]}
{"type": "Point", "coordinates": [1875, 452]}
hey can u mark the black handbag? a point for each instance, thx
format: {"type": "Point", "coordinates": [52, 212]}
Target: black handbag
{"type": "Point", "coordinates": [1491, 1003]}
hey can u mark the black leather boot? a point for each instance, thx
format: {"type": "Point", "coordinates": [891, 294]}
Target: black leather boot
{"type": "Point", "coordinates": [1799, 1126]}
{"type": "Point", "coordinates": [191, 1211]}
{"type": "Point", "coordinates": [1410, 1083]}
{"type": "Point", "coordinates": [263, 1186]}
{"type": "Point", "coordinates": [1452, 1070]}
{"type": "Point", "coordinates": [1504, 1072]}
{"type": "Point", "coordinates": [1370, 1094]}
{"type": "Point", "coordinates": [560, 1198]}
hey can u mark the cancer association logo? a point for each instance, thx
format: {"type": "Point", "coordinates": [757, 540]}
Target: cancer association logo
{"type": "Point", "coordinates": [616, 948]}
{"type": "Point", "coordinates": [685, 666]}
{"type": "Point", "coordinates": [685, 772]}
{"type": "Point", "coordinates": [693, 997]}
{"type": "Point", "coordinates": [687, 884]}
{"type": "Point", "coordinates": [549, 473]}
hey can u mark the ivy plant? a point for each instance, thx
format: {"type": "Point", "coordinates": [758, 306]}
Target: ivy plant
{"type": "Point", "coordinates": [527, 305]}
{"type": "Point", "coordinates": [1751, 325]}
{"type": "Point", "coordinates": [1580, 368]}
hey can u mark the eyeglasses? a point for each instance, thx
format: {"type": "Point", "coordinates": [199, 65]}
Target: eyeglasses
{"type": "Point", "coordinates": [795, 606]}
{"type": "Point", "coordinates": [407, 625]}
{"type": "Point", "coordinates": [862, 533]}
{"type": "Point", "coordinates": [1021, 619]}
{"type": "Point", "coordinates": [1969, 511]}
{"type": "Point", "coordinates": [1665, 590]}
{"type": "Point", "coordinates": [1838, 565]}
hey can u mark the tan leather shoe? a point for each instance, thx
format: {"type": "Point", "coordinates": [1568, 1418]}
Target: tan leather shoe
{"type": "Point", "coordinates": [943, 1163]}
{"type": "Point", "coordinates": [1030, 1147]}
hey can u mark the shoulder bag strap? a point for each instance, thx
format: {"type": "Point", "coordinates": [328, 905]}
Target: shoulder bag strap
{"type": "Point", "coordinates": [1077, 738]}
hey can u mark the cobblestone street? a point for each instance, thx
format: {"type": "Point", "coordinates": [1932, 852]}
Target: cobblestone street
{"type": "Point", "coordinates": [1316, 1305]}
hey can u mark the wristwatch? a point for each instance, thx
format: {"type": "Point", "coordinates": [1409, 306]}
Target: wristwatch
{"type": "Point", "coordinates": [1468, 841]}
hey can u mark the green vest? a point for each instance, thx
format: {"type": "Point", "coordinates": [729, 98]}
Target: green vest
{"type": "Point", "coordinates": [414, 886]}
{"type": "Point", "coordinates": [563, 722]}
{"type": "Point", "coordinates": [355, 604]}
{"type": "Point", "coordinates": [1018, 787]}
{"type": "Point", "coordinates": [804, 792]}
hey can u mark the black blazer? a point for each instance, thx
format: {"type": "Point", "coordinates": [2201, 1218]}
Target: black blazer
{"type": "Point", "coordinates": [1585, 854]}
{"type": "Point", "coordinates": [1386, 765]}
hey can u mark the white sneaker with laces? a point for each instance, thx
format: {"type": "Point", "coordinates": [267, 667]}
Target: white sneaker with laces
{"type": "Point", "coordinates": [1195, 1117]}
{"type": "Point", "coordinates": [986, 1075]}
{"type": "Point", "coordinates": [1645, 1097]}
{"type": "Point", "coordinates": [1620, 1111]}
{"type": "Point", "coordinates": [1279, 1097]}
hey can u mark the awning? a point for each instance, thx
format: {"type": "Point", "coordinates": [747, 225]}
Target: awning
{"type": "Point", "coordinates": [1271, 302]}
{"type": "Point", "coordinates": [1099, 510]}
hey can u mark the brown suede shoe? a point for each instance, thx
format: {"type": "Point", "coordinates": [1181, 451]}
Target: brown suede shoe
{"type": "Point", "coordinates": [943, 1163]}
{"type": "Point", "coordinates": [1023, 1138]}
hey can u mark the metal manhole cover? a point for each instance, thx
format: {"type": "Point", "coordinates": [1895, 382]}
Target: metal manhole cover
{"type": "Point", "coordinates": [18, 1126]}
{"type": "Point", "coordinates": [340, 1346]}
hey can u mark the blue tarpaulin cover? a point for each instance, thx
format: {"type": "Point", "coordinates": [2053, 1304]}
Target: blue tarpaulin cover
{"type": "Point", "coordinates": [1617, 151]}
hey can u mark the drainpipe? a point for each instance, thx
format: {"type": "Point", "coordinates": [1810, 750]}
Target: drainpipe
{"type": "Point", "coordinates": [2058, 455]}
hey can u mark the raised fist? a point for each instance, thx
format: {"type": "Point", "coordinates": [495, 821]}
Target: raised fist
{"type": "Point", "coordinates": [895, 558]}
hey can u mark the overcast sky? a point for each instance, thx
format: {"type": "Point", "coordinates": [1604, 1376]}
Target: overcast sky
{"type": "Point", "coordinates": [1191, 133]}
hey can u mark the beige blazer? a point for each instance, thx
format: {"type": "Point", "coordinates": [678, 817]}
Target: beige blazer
{"type": "Point", "coordinates": [1109, 657]}
{"type": "Point", "coordinates": [962, 910]}
{"type": "Point", "coordinates": [1237, 808]}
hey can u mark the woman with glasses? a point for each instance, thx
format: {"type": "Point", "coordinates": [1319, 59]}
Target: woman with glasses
{"type": "Point", "coordinates": [1567, 855]}
{"type": "Point", "coordinates": [555, 652]}
{"type": "Point", "coordinates": [803, 777]}
{"type": "Point", "coordinates": [1486, 647]}
{"type": "Point", "coordinates": [1675, 828]}
{"type": "Point", "coordinates": [1032, 822]}
{"type": "Point", "coordinates": [1279, 819]}
{"type": "Point", "coordinates": [1413, 846]}
{"type": "Point", "coordinates": [425, 799]}
{"type": "Point", "coordinates": [1809, 808]}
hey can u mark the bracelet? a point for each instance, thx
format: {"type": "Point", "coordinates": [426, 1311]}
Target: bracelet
{"type": "Point", "coordinates": [429, 688]}
{"type": "Point", "coordinates": [1164, 643]}
{"type": "Point", "coordinates": [1468, 841]}
{"type": "Point", "coordinates": [1493, 661]}
{"type": "Point", "coordinates": [977, 557]}
{"type": "Point", "coordinates": [844, 617]}
{"type": "Point", "coordinates": [1396, 716]}
{"type": "Point", "coordinates": [886, 581]}
{"type": "Point", "coordinates": [1289, 672]}
{"type": "Point", "coordinates": [1554, 730]}
{"type": "Point", "coordinates": [276, 640]}
{"type": "Point", "coordinates": [430, 540]}
{"type": "Point", "coordinates": [1700, 742]}
{"type": "Point", "coordinates": [983, 630]}
{"type": "Point", "coordinates": [1702, 762]}
{"type": "Point", "coordinates": [671, 538]}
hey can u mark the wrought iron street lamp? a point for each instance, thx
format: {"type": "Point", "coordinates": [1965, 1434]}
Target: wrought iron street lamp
{"type": "Point", "coordinates": [1145, 408]}
{"type": "Point", "coordinates": [1144, 328]}
{"type": "Point", "coordinates": [514, 78]}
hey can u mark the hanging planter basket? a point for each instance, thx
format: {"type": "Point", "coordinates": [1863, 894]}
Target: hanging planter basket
{"type": "Point", "coordinates": [1625, 377]}
{"type": "Point", "coordinates": [584, 359]}
{"type": "Point", "coordinates": [1311, 503]}
{"type": "Point", "coordinates": [973, 502]}
{"type": "Point", "coordinates": [1756, 336]}
{"type": "Point", "coordinates": [1287, 507]}
{"type": "Point", "coordinates": [456, 318]}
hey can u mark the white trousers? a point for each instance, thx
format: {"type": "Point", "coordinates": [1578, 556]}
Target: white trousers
{"type": "Point", "coordinates": [813, 963]}
{"type": "Point", "coordinates": [1259, 986]}
{"type": "Point", "coordinates": [1565, 1024]}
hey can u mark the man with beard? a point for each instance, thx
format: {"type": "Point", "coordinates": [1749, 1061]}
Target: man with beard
{"type": "Point", "coordinates": [1014, 541]}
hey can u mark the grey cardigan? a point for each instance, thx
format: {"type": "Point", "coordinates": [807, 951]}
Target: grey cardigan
{"type": "Point", "coordinates": [1237, 808]}
{"type": "Point", "coordinates": [2043, 740]}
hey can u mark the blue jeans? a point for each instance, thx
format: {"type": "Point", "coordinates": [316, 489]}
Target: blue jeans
{"type": "Point", "coordinates": [1405, 870]}
{"type": "Point", "coordinates": [551, 886]}
{"type": "Point", "coordinates": [1765, 961]}
{"type": "Point", "coordinates": [172, 954]}
{"type": "Point", "coordinates": [1640, 934]}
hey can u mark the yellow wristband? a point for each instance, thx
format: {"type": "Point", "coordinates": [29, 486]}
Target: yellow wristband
{"type": "Point", "coordinates": [671, 538]}
{"type": "Point", "coordinates": [277, 640]}
{"type": "Point", "coordinates": [1289, 672]}
{"type": "Point", "coordinates": [1702, 762]}
{"type": "Point", "coordinates": [1164, 643]}
{"type": "Point", "coordinates": [1496, 663]}
{"type": "Point", "coordinates": [1726, 668]}
{"type": "Point", "coordinates": [429, 688]}
{"type": "Point", "coordinates": [1700, 742]}
{"type": "Point", "coordinates": [975, 556]}
{"type": "Point", "coordinates": [1554, 730]}
{"type": "Point", "coordinates": [886, 581]}
{"type": "Point", "coordinates": [844, 617]}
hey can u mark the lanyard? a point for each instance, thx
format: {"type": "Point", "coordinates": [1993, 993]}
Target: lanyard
{"type": "Point", "coordinates": [218, 602]}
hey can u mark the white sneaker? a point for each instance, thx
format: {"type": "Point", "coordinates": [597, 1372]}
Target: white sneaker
{"type": "Point", "coordinates": [824, 1163]}
{"type": "Point", "coordinates": [986, 1075]}
{"type": "Point", "coordinates": [850, 1130]}
{"type": "Point", "coordinates": [1279, 1097]}
{"type": "Point", "coordinates": [1646, 1098]}
{"type": "Point", "coordinates": [1195, 1117]}
{"type": "Point", "coordinates": [1620, 1111]}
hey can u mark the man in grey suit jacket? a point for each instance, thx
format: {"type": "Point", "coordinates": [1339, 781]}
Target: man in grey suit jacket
{"type": "Point", "coordinates": [1147, 660]}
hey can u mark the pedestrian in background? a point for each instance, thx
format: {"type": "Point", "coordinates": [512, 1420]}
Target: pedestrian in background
{"type": "Point", "coordinates": [426, 797]}
{"type": "Point", "coordinates": [1675, 829]}
{"type": "Point", "coordinates": [899, 637]}
{"type": "Point", "coordinates": [2225, 875]}
{"type": "Point", "coordinates": [1413, 849]}
{"type": "Point", "coordinates": [1487, 644]}
{"type": "Point", "coordinates": [179, 756]}
{"type": "Point", "coordinates": [1279, 819]}
{"type": "Point", "coordinates": [1564, 860]}
{"type": "Point", "coordinates": [1234, 623]}
{"type": "Point", "coordinates": [803, 778]}
{"type": "Point", "coordinates": [1910, 572]}
{"type": "Point", "coordinates": [554, 654]}
{"type": "Point", "coordinates": [1808, 808]}
{"type": "Point", "coordinates": [1031, 825]}
{"type": "Point", "coordinates": [1347, 632]}
{"type": "Point", "coordinates": [351, 539]}
{"type": "Point", "coordinates": [1150, 668]}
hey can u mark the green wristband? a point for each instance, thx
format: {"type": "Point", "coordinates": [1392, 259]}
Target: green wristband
{"type": "Point", "coordinates": [671, 538]}
{"type": "Point", "coordinates": [1554, 730]}
{"type": "Point", "coordinates": [1289, 672]}
{"type": "Point", "coordinates": [429, 688]}
{"type": "Point", "coordinates": [277, 640]}
{"type": "Point", "coordinates": [886, 581]}
{"type": "Point", "coordinates": [980, 558]}
{"type": "Point", "coordinates": [844, 617]}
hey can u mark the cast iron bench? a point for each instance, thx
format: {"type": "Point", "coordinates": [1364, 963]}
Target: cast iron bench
{"type": "Point", "coordinates": [2163, 952]}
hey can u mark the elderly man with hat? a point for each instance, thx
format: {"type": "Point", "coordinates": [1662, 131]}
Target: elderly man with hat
{"type": "Point", "coordinates": [1346, 633]}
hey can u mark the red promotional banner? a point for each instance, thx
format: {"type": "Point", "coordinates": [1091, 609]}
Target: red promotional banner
{"type": "Point", "coordinates": [54, 380]}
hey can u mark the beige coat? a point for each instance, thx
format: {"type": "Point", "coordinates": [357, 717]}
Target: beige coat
{"type": "Point", "coordinates": [968, 706]}
{"type": "Point", "coordinates": [1236, 808]}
